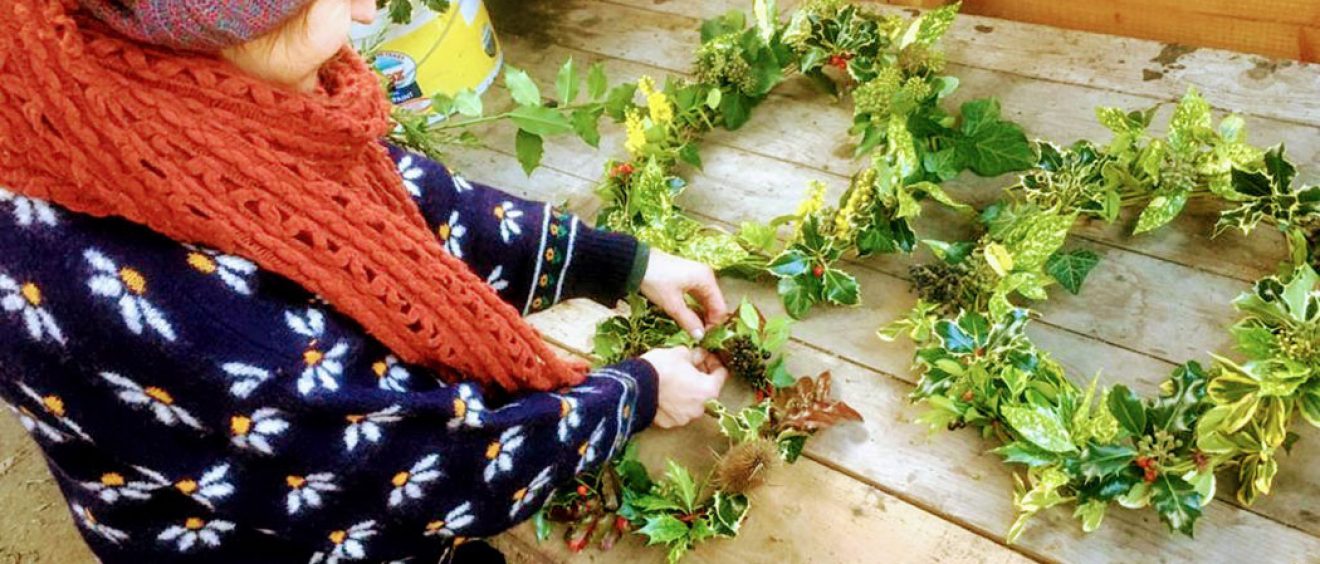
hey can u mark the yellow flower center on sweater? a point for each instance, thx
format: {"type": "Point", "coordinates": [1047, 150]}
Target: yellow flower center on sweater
{"type": "Point", "coordinates": [564, 408]}
{"type": "Point", "coordinates": [401, 479]}
{"type": "Point", "coordinates": [518, 495]}
{"type": "Point", "coordinates": [312, 356]}
{"type": "Point", "coordinates": [194, 523]}
{"type": "Point", "coordinates": [240, 425]}
{"type": "Point", "coordinates": [434, 526]}
{"type": "Point", "coordinates": [493, 450]}
{"type": "Point", "coordinates": [499, 212]}
{"type": "Point", "coordinates": [112, 479]}
{"type": "Point", "coordinates": [159, 395]}
{"type": "Point", "coordinates": [31, 293]}
{"type": "Point", "coordinates": [54, 405]}
{"type": "Point", "coordinates": [133, 280]}
{"type": "Point", "coordinates": [295, 482]}
{"type": "Point", "coordinates": [338, 537]}
{"type": "Point", "coordinates": [460, 408]}
{"type": "Point", "coordinates": [87, 514]}
{"type": "Point", "coordinates": [187, 485]}
{"type": "Point", "coordinates": [582, 450]}
{"type": "Point", "coordinates": [201, 262]}
{"type": "Point", "coordinates": [444, 231]}
{"type": "Point", "coordinates": [355, 419]}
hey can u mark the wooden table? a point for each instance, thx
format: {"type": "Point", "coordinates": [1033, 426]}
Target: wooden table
{"type": "Point", "coordinates": [886, 490]}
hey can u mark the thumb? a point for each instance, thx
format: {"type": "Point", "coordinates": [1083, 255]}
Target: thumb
{"type": "Point", "coordinates": [686, 318]}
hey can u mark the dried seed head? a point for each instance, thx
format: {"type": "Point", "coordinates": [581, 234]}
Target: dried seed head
{"type": "Point", "coordinates": [746, 465]}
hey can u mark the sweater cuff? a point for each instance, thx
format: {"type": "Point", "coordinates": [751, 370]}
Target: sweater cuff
{"type": "Point", "coordinates": [602, 265]}
{"type": "Point", "coordinates": [648, 392]}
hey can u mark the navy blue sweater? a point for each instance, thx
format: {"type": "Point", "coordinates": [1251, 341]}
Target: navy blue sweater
{"type": "Point", "coordinates": [192, 406]}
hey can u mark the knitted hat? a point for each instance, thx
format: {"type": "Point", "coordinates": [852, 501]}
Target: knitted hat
{"type": "Point", "coordinates": [195, 25]}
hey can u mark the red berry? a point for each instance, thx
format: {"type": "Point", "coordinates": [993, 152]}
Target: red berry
{"type": "Point", "coordinates": [623, 169]}
{"type": "Point", "coordinates": [1143, 462]}
{"type": "Point", "coordinates": [840, 60]}
{"type": "Point", "coordinates": [576, 545]}
{"type": "Point", "coordinates": [818, 271]}
{"type": "Point", "coordinates": [583, 490]}
{"type": "Point", "coordinates": [1151, 475]}
{"type": "Point", "coordinates": [621, 524]}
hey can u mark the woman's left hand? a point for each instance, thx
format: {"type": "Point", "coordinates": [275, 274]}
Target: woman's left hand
{"type": "Point", "coordinates": [670, 279]}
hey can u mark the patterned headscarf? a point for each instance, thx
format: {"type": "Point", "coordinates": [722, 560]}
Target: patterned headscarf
{"type": "Point", "coordinates": [194, 25]}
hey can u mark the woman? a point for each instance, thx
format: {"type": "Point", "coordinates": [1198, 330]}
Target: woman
{"type": "Point", "coordinates": [244, 330]}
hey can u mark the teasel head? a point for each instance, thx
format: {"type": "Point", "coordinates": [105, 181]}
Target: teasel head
{"type": "Point", "coordinates": [746, 466]}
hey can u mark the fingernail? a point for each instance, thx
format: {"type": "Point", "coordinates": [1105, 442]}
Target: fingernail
{"type": "Point", "coordinates": [699, 334]}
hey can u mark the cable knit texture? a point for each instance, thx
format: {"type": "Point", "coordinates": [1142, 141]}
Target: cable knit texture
{"type": "Point", "coordinates": [188, 146]}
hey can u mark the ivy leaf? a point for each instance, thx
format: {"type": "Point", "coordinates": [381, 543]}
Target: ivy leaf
{"type": "Point", "coordinates": [1127, 409]}
{"type": "Point", "coordinates": [690, 154]}
{"type": "Point", "coordinates": [521, 87]}
{"type": "Point", "coordinates": [1070, 268]}
{"type": "Point", "coordinates": [991, 146]}
{"type": "Point", "coordinates": [663, 529]}
{"type": "Point", "coordinates": [1039, 425]}
{"type": "Point", "coordinates": [736, 109]}
{"type": "Point", "coordinates": [528, 146]}
{"type": "Point", "coordinates": [586, 123]}
{"type": "Point", "coordinates": [1161, 210]}
{"type": "Point", "coordinates": [540, 120]}
{"type": "Point", "coordinates": [1177, 502]}
{"type": "Point", "coordinates": [1100, 461]}
{"type": "Point", "coordinates": [566, 83]}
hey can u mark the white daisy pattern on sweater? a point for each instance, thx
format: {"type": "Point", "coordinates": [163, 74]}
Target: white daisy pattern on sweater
{"type": "Point", "coordinates": [306, 491]}
{"type": "Point", "coordinates": [347, 544]}
{"type": "Point", "coordinates": [54, 407]}
{"type": "Point", "coordinates": [468, 408]}
{"type": "Point", "coordinates": [89, 522]}
{"type": "Point", "coordinates": [245, 378]}
{"type": "Point", "coordinates": [211, 487]}
{"type": "Point", "coordinates": [526, 495]}
{"type": "Point", "coordinates": [234, 271]}
{"type": "Point", "coordinates": [321, 367]}
{"type": "Point", "coordinates": [500, 453]}
{"type": "Point", "coordinates": [127, 287]}
{"type": "Point", "coordinates": [160, 402]}
{"type": "Point", "coordinates": [451, 234]}
{"type": "Point", "coordinates": [368, 427]}
{"type": "Point", "coordinates": [508, 214]}
{"type": "Point", "coordinates": [114, 486]}
{"type": "Point", "coordinates": [29, 211]}
{"type": "Point", "coordinates": [193, 530]}
{"type": "Point", "coordinates": [256, 431]}
{"type": "Point", "coordinates": [27, 301]}
{"type": "Point", "coordinates": [453, 523]}
{"type": "Point", "coordinates": [390, 375]}
{"type": "Point", "coordinates": [412, 175]}
{"type": "Point", "coordinates": [496, 279]}
{"type": "Point", "coordinates": [408, 483]}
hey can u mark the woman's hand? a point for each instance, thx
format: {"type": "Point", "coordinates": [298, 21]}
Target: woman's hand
{"type": "Point", "coordinates": [669, 279]}
{"type": "Point", "coordinates": [688, 378]}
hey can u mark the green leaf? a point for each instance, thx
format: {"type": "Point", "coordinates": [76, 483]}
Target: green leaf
{"type": "Point", "coordinates": [566, 83]}
{"type": "Point", "coordinates": [790, 263]}
{"type": "Point", "coordinates": [620, 99]}
{"type": "Point", "coordinates": [543, 528]}
{"type": "Point", "coordinates": [586, 123]}
{"type": "Point", "coordinates": [528, 147]}
{"type": "Point", "coordinates": [1099, 461]}
{"type": "Point", "coordinates": [1308, 402]}
{"type": "Point", "coordinates": [1070, 268]}
{"type": "Point", "coordinates": [999, 259]}
{"type": "Point", "coordinates": [1091, 513]}
{"type": "Point", "coordinates": [952, 253]}
{"type": "Point", "coordinates": [797, 294]}
{"type": "Point", "coordinates": [681, 480]}
{"type": "Point", "coordinates": [1127, 409]}
{"type": "Point", "coordinates": [779, 375]}
{"type": "Point", "coordinates": [663, 529]}
{"type": "Point", "coordinates": [540, 120]}
{"type": "Point", "coordinates": [736, 109]}
{"type": "Point", "coordinates": [1022, 452]}
{"type": "Point", "coordinates": [597, 84]}
{"type": "Point", "coordinates": [989, 145]}
{"type": "Point", "coordinates": [1177, 502]}
{"type": "Point", "coordinates": [713, 98]}
{"type": "Point", "coordinates": [841, 288]}
{"type": "Point", "coordinates": [1161, 210]}
{"type": "Point", "coordinates": [1039, 425]}
{"type": "Point", "coordinates": [468, 103]}
{"type": "Point", "coordinates": [690, 154]}
{"type": "Point", "coordinates": [521, 87]}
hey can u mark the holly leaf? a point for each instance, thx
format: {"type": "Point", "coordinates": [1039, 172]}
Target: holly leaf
{"type": "Point", "coordinates": [798, 294]}
{"type": "Point", "coordinates": [566, 83]}
{"type": "Point", "coordinates": [1023, 452]}
{"type": "Point", "coordinates": [529, 149]}
{"type": "Point", "coordinates": [1177, 503]}
{"type": "Point", "coordinates": [540, 120]}
{"type": "Point", "coordinates": [1039, 425]}
{"type": "Point", "coordinates": [841, 288]}
{"type": "Point", "coordinates": [683, 486]}
{"type": "Point", "coordinates": [1127, 409]}
{"type": "Point", "coordinates": [521, 87]}
{"type": "Point", "coordinates": [790, 263]}
{"type": "Point", "coordinates": [663, 529]}
{"type": "Point", "coordinates": [1070, 268]}
{"type": "Point", "coordinates": [1100, 461]}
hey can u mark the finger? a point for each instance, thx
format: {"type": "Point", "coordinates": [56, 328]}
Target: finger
{"type": "Point", "coordinates": [719, 375]}
{"type": "Point", "coordinates": [708, 294]}
{"type": "Point", "coordinates": [686, 318]}
{"type": "Point", "coordinates": [698, 356]}
{"type": "Point", "coordinates": [711, 363]}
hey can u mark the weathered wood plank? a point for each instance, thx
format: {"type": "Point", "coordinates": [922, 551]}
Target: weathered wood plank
{"type": "Point", "coordinates": [1247, 83]}
{"type": "Point", "coordinates": [35, 525]}
{"type": "Point", "coordinates": [849, 333]}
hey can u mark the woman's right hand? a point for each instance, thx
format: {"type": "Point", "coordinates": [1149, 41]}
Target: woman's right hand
{"type": "Point", "coordinates": [688, 378]}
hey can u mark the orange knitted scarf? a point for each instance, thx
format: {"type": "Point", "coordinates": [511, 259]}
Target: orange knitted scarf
{"type": "Point", "coordinates": [188, 146]}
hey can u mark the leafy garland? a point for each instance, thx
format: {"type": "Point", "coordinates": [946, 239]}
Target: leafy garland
{"type": "Point", "coordinates": [977, 368]}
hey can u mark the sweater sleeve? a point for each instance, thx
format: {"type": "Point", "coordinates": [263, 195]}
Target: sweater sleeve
{"type": "Point", "coordinates": [194, 408]}
{"type": "Point", "coordinates": [533, 254]}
